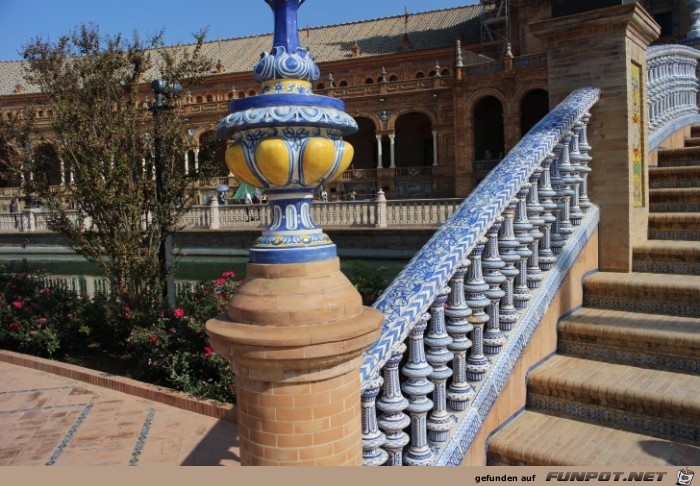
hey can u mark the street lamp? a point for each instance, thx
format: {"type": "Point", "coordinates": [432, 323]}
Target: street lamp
{"type": "Point", "coordinates": [163, 91]}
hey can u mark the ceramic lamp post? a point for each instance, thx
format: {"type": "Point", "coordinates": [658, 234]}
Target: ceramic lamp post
{"type": "Point", "coordinates": [295, 331]}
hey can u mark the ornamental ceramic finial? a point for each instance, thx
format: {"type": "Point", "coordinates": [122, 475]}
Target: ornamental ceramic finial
{"type": "Point", "coordinates": [288, 141]}
{"type": "Point", "coordinates": [287, 59]}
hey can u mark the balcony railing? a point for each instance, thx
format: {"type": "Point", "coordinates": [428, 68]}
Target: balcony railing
{"type": "Point", "coordinates": [367, 213]}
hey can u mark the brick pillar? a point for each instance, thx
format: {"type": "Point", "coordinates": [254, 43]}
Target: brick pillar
{"type": "Point", "coordinates": [601, 48]}
{"type": "Point", "coordinates": [294, 334]}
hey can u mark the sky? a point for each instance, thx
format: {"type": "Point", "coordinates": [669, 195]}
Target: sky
{"type": "Point", "coordinates": [23, 20]}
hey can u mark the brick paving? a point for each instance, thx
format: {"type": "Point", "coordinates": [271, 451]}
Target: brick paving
{"type": "Point", "coordinates": [46, 419]}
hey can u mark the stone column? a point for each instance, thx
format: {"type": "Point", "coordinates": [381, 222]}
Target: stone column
{"type": "Point", "coordinates": [381, 210]}
{"type": "Point", "coordinates": [379, 151]}
{"type": "Point", "coordinates": [619, 37]}
{"type": "Point", "coordinates": [392, 152]}
{"type": "Point", "coordinates": [294, 333]}
{"type": "Point", "coordinates": [62, 169]}
{"type": "Point", "coordinates": [196, 160]}
{"type": "Point", "coordinates": [214, 215]}
{"type": "Point", "coordinates": [435, 149]}
{"type": "Point", "coordinates": [187, 162]}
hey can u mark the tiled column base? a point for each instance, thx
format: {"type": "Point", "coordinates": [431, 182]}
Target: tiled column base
{"type": "Point", "coordinates": [294, 334]}
{"type": "Point", "coordinates": [306, 424]}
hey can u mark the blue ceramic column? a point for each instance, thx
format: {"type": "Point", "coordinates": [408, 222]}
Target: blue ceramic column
{"type": "Point", "coordinates": [295, 331]}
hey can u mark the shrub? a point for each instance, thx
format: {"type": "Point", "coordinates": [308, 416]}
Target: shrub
{"type": "Point", "coordinates": [38, 319]}
{"type": "Point", "coordinates": [370, 283]}
{"type": "Point", "coordinates": [175, 349]}
{"type": "Point", "coordinates": [171, 349]}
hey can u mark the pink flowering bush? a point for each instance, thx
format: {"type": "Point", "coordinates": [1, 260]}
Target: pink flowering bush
{"type": "Point", "coordinates": [36, 319]}
{"type": "Point", "coordinates": [175, 351]}
{"type": "Point", "coordinates": [171, 349]}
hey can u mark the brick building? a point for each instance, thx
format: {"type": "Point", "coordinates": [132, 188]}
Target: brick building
{"type": "Point", "coordinates": [438, 96]}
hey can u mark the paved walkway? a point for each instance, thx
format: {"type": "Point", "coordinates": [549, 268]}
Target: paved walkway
{"type": "Point", "coordinates": [48, 420]}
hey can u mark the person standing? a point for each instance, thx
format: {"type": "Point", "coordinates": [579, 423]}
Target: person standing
{"type": "Point", "coordinates": [248, 199]}
{"type": "Point", "coordinates": [324, 195]}
{"type": "Point", "coordinates": [14, 209]}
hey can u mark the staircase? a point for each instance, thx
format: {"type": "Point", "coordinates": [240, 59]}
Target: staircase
{"type": "Point", "coordinates": [623, 386]}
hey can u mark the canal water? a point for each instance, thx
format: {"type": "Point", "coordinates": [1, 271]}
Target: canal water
{"type": "Point", "coordinates": [192, 268]}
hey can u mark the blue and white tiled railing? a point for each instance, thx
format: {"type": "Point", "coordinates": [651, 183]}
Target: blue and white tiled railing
{"type": "Point", "coordinates": [672, 90]}
{"type": "Point", "coordinates": [462, 311]}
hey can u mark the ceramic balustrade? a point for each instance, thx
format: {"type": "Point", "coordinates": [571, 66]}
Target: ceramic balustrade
{"type": "Point", "coordinates": [455, 303]}
{"type": "Point", "coordinates": [672, 91]}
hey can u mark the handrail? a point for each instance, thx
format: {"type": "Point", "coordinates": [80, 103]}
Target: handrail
{"type": "Point", "coordinates": [672, 91]}
{"type": "Point", "coordinates": [485, 220]}
{"type": "Point", "coordinates": [451, 244]}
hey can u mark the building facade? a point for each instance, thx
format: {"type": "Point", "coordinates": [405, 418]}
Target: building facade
{"type": "Point", "coordinates": [438, 96]}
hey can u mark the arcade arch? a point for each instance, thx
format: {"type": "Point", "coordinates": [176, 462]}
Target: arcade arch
{"type": "Point", "coordinates": [533, 107]}
{"type": "Point", "coordinates": [413, 140]}
{"type": "Point", "coordinates": [488, 128]}
{"type": "Point", "coordinates": [364, 143]}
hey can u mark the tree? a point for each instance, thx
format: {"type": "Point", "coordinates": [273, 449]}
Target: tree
{"type": "Point", "coordinates": [101, 131]}
{"type": "Point", "coordinates": [14, 146]}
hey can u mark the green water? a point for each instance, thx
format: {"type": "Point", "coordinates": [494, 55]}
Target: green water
{"type": "Point", "coordinates": [189, 268]}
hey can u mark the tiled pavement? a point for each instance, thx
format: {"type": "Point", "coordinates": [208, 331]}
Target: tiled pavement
{"type": "Point", "coordinates": [48, 420]}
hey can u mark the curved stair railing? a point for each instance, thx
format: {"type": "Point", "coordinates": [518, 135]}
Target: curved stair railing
{"type": "Point", "coordinates": [672, 91]}
{"type": "Point", "coordinates": [462, 311]}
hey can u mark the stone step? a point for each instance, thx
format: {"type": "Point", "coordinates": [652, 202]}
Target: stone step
{"type": "Point", "coordinates": [537, 439]}
{"type": "Point", "coordinates": [654, 293]}
{"type": "Point", "coordinates": [659, 403]}
{"type": "Point", "coordinates": [679, 156]}
{"type": "Point", "coordinates": [674, 226]}
{"type": "Point", "coordinates": [654, 341]}
{"type": "Point", "coordinates": [669, 177]}
{"type": "Point", "coordinates": [692, 141]}
{"type": "Point", "coordinates": [681, 200]}
{"type": "Point", "coordinates": [667, 256]}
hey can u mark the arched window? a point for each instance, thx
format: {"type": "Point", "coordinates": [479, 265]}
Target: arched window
{"type": "Point", "coordinates": [488, 129]}
{"type": "Point", "coordinates": [445, 72]}
{"type": "Point", "coordinates": [241, 94]}
{"type": "Point", "coordinates": [432, 74]}
{"type": "Point", "coordinates": [534, 106]}
{"type": "Point", "coordinates": [393, 78]}
{"type": "Point", "coordinates": [199, 99]}
{"type": "Point", "coordinates": [420, 75]}
{"type": "Point", "coordinates": [252, 92]}
{"type": "Point", "coordinates": [364, 143]}
{"type": "Point", "coordinates": [343, 84]}
{"type": "Point", "coordinates": [320, 86]}
{"type": "Point", "coordinates": [369, 81]}
{"type": "Point", "coordinates": [213, 151]}
{"type": "Point", "coordinates": [210, 98]}
{"type": "Point", "coordinates": [414, 140]}
{"type": "Point", "coordinates": [47, 166]}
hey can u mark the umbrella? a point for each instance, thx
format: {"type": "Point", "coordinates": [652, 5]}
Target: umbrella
{"type": "Point", "coordinates": [222, 188]}
{"type": "Point", "coordinates": [243, 188]}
